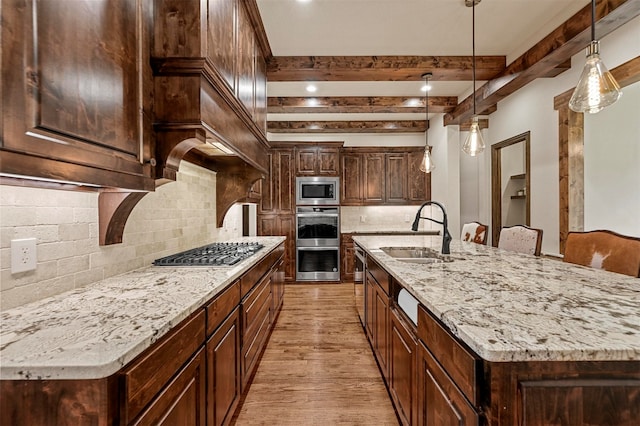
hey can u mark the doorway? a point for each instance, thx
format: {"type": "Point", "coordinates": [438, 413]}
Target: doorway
{"type": "Point", "coordinates": [510, 184]}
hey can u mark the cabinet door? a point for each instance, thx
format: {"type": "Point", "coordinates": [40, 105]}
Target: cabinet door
{"type": "Point", "coordinates": [183, 401]}
{"type": "Point", "coordinates": [369, 309]}
{"type": "Point", "coordinates": [288, 229]}
{"type": "Point", "coordinates": [221, 38]}
{"type": "Point", "coordinates": [419, 186]}
{"type": "Point", "coordinates": [439, 400]}
{"type": "Point", "coordinates": [351, 166]}
{"type": "Point", "coordinates": [245, 60]}
{"type": "Point", "coordinates": [284, 182]}
{"type": "Point", "coordinates": [402, 367]}
{"type": "Point", "coordinates": [260, 112]}
{"type": "Point", "coordinates": [381, 339]}
{"type": "Point", "coordinates": [223, 371]}
{"type": "Point", "coordinates": [267, 188]}
{"type": "Point", "coordinates": [348, 258]}
{"type": "Point", "coordinates": [396, 178]}
{"type": "Point", "coordinates": [328, 161]}
{"type": "Point", "coordinates": [306, 161]}
{"type": "Point", "coordinates": [374, 178]}
{"type": "Point", "coordinates": [75, 102]}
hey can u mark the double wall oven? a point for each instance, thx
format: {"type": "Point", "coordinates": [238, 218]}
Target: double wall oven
{"type": "Point", "coordinates": [317, 229]}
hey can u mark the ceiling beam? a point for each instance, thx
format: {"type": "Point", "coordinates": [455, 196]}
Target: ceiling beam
{"type": "Point", "coordinates": [382, 68]}
{"type": "Point", "coordinates": [552, 51]}
{"type": "Point", "coordinates": [360, 104]}
{"type": "Point", "coordinates": [378, 126]}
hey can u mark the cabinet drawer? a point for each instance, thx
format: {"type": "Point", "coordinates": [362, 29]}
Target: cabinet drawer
{"type": "Point", "coordinates": [461, 364]}
{"type": "Point", "coordinates": [253, 307]}
{"type": "Point", "coordinates": [149, 373]}
{"type": "Point", "coordinates": [249, 279]}
{"type": "Point", "coordinates": [380, 275]}
{"type": "Point", "coordinates": [252, 347]}
{"type": "Point", "coordinates": [221, 306]}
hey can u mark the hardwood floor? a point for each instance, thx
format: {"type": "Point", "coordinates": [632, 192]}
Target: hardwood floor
{"type": "Point", "coordinates": [318, 368]}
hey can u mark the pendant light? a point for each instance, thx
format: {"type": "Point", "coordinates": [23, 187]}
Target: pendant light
{"type": "Point", "coordinates": [596, 88]}
{"type": "Point", "coordinates": [427, 165]}
{"type": "Point", "coordinates": [474, 144]}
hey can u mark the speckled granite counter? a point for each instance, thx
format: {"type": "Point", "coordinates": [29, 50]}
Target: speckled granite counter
{"type": "Point", "coordinates": [512, 307]}
{"type": "Point", "coordinates": [92, 332]}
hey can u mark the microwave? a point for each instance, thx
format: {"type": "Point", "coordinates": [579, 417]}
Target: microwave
{"type": "Point", "coordinates": [317, 190]}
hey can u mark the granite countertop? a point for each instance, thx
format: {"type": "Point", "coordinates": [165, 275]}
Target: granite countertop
{"type": "Point", "coordinates": [513, 307]}
{"type": "Point", "coordinates": [94, 331]}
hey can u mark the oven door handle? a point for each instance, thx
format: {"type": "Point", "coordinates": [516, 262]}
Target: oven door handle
{"type": "Point", "coordinates": [317, 215]}
{"type": "Point", "coordinates": [316, 248]}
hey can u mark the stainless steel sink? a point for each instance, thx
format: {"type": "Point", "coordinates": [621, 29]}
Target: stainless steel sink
{"type": "Point", "coordinates": [416, 254]}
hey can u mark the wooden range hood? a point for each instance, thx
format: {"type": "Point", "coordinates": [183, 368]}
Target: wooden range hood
{"type": "Point", "coordinates": [209, 87]}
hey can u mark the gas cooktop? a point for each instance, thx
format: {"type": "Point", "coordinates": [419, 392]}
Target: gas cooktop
{"type": "Point", "coordinates": [216, 254]}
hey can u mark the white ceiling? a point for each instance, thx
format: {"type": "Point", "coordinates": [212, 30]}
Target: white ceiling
{"type": "Point", "coordinates": [402, 27]}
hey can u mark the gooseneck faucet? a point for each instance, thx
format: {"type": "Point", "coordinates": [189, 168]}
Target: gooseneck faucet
{"type": "Point", "coordinates": [446, 237]}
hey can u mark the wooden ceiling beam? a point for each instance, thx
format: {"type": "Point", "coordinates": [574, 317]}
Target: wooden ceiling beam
{"type": "Point", "coordinates": [378, 126]}
{"type": "Point", "coordinates": [382, 68]}
{"type": "Point", "coordinates": [360, 104]}
{"type": "Point", "coordinates": [547, 55]}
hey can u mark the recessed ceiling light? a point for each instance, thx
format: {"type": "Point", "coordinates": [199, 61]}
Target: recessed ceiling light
{"type": "Point", "coordinates": [426, 88]}
{"type": "Point", "coordinates": [303, 1]}
{"type": "Point", "coordinates": [311, 88]}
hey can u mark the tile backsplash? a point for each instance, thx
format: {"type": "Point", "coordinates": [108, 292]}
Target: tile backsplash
{"type": "Point", "coordinates": [177, 216]}
{"type": "Point", "coordinates": [381, 218]}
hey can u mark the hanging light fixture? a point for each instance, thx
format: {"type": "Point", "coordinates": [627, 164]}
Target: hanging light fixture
{"type": "Point", "coordinates": [427, 165]}
{"type": "Point", "coordinates": [474, 144]}
{"type": "Point", "coordinates": [596, 88]}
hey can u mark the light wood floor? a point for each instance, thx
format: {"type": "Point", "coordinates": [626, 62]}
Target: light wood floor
{"type": "Point", "coordinates": [318, 368]}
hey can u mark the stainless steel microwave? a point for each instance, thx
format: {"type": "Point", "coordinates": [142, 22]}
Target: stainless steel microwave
{"type": "Point", "coordinates": [317, 190]}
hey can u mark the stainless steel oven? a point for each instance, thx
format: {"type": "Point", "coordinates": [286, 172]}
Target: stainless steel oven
{"type": "Point", "coordinates": [317, 226]}
{"type": "Point", "coordinates": [317, 243]}
{"type": "Point", "coordinates": [318, 190]}
{"type": "Point", "coordinates": [318, 264]}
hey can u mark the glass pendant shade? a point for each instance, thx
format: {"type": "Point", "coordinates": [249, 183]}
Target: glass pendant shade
{"type": "Point", "coordinates": [474, 144]}
{"type": "Point", "coordinates": [596, 88]}
{"type": "Point", "coordinates": [427, 165]}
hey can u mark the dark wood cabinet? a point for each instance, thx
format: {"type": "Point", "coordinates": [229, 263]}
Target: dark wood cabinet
{"type": "Point", "coordinates": [397, 177]}
{"type": "Point", "coordinates": [351, 167]}
{"type": "Point", "coordinates": [373, 179]}
{"type": "Point", "coordinates": [377, 313]}
{"type": "Point", "coordinates": [392, 177]}
{"type": "Point", "coordinates": [255, 311]}
{"type": "Point", "coordinates": [278, 189]}
{"type": "Point", "coordinates": [419, 183]}
{"type": "Point", "coordinates": [223, 371]}
{"type": "Point", "coordinates": [347, 254]}
{"type": "Point", "coordinates": [317, 160]}
{"type": "Point", "coordinates": [439, 400]}
{"type": "Point", "coordinates": [84, 113]}
{"type": "Point", "coordinates": [284, 225]}
{"type": "Point", "coordinates": [183, 401]}
{"type": "Point", "coordinates": [402, 367]}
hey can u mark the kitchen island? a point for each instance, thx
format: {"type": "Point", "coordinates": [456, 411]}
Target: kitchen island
{"type": "Point", "coordinates": [115, 351]}
{"type": "Point", "coordinates": [508, 338]}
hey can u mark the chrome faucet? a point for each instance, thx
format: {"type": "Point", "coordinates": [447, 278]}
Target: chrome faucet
{"type": "Point", "coordinates": [446, 237]}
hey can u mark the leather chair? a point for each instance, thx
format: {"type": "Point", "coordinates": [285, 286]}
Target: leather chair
{"type": "Point", "coordinates": [475, 232]}
{"type": "Point", "coordinates": [521, 239]}
{"type": "Point", "coordinates": [604, 249]}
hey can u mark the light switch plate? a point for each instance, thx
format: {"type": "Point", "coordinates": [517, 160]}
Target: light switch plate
{"type": "Point", "coordinates": [23, 255]}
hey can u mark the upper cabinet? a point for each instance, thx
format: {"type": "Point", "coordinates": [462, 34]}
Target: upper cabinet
{"type": "Point", "coordinates": [76, 92]}
{"type": "Point", "coordinates": [392, 177]}
{"type": "Point", "coordinates": [317, 160]}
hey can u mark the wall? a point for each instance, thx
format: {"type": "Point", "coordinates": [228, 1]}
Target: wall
{"type": "Point", "coordinates": [377, 218]}
{"type": "Point", "coordinates": [178, 216]}
{"type": "Point", "coordinates": [531, 109]}
{"type": "Point", "coordinates": [612, 166]}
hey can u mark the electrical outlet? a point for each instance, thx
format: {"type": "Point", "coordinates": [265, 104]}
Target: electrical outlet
{"type": "Point", "coordinates": [407, 218]}
{"type": "Point", "coordinates": [23, 255]}
{"type": "Point", "coordinates": [363, 219]}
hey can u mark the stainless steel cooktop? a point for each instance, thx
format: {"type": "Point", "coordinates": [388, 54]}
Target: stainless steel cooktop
{"type": "Point", "coordinates": [216, 254]}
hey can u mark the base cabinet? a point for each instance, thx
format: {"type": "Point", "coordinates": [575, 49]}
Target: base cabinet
{"type": "Point", "coordinates": [439, 400]}
{"type": "Point", "coordinates": [223, 371]}
{"type": "Point", "coordinates": [183, 400]}
{"type": "Point", "coordinates": [403, 349]}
